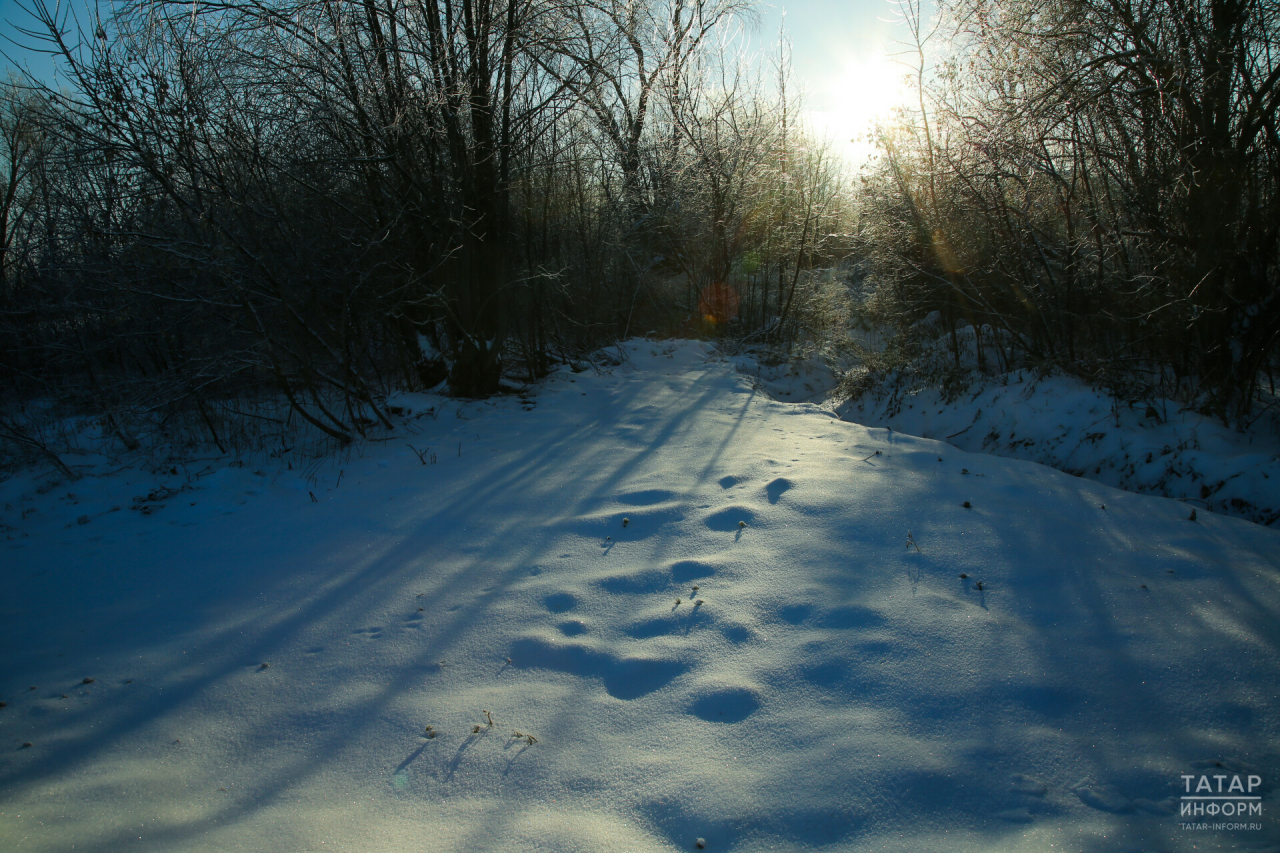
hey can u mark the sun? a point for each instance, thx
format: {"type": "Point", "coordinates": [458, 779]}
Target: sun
{"type": "Point", "coordinates": [866, 89]}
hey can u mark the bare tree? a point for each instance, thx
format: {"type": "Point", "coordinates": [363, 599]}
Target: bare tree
{"type": "Point", "coordinates": [1100, 183]}
{"type": "Point", "coordinates": [22, 144]}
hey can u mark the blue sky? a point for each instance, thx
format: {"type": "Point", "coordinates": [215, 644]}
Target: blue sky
{"type": "Point", "coordinates": [12, 17]}
{"type": "Point", "coordinates": [841, 58]}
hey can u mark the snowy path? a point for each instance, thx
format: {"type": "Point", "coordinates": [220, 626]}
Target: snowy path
{"type": "Point", "coordinates": [837, 688]}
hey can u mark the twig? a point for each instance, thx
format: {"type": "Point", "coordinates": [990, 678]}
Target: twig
{"type": "Point", "coordinates": [21, 437]}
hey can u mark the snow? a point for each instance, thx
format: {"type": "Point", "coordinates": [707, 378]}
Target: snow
{"type": "Point", "coordinates": [264, 664]}
{"type": "Point", "coordinates": [1129, 437]}
{"type": "Point", "coordinates": [1151, 446]}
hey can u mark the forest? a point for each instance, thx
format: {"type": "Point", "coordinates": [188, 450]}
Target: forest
{"type": "Point", "coordinates": [440, 426]}
{"type": "Point", "coordinates": [225, 219]}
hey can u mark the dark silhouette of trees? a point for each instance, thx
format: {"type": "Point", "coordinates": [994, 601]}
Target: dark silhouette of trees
{"type": "Point", "coordinates": [1098, 184]}
{"type": "Point", "coordinates": [331, 199]}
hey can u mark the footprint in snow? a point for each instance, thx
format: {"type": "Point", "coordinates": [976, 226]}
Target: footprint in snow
{"type": "Point", "coordinates": [730, 519]}
{"type": "Point", "coordinates": [776, 488]}
{"type": "Point", "coordinates": [794, 614]}
{"type": "Point", "coordinates": [1029, 786]}
{"type": "Point", "coordinates": [684, 571]}
{"type": "Point", "coordinates": [623, 677]}
{"type": "Point", "coordinates": [726, 705]}
{"type": "Point", "coordinates": [560, 602]}
{"type": "Point", "coordinates": [653, 581]}
{"type": "Point", "coordinates": [572, 628]}
{"type": "Point", "coordinates": [641, 523]}
{"type": "Point", "coordinates": [830, 673]}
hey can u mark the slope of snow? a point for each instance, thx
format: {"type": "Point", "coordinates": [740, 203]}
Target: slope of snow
{"type": "Point", "coordinates": [1154, 447]}
{"type": "Point", "coordinates": [266, 650]}
{"type": "Point", "coordinates": [809, 378]}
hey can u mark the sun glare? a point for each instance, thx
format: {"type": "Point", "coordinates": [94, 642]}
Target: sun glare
{"type": "Point", "coordinates": [864, 91]}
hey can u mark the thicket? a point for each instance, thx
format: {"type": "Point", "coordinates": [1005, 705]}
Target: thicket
{"type": "Point", "coordinates": [1092, 185]}
{"type": "Point", "coordinates": [323, 201]}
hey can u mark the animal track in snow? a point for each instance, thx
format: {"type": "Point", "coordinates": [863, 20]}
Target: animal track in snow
{"type": "Point", "coordinates": [623, 677]}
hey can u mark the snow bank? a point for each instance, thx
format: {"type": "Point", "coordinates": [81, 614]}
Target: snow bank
{"type": "Point", "coordinates": [1154, 447]}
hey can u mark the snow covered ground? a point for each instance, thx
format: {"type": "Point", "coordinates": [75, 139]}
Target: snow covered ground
{"type": "Point", "coordinates": [900, 645]}
{"type": "Point", "coordinates": [1155, 447]}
